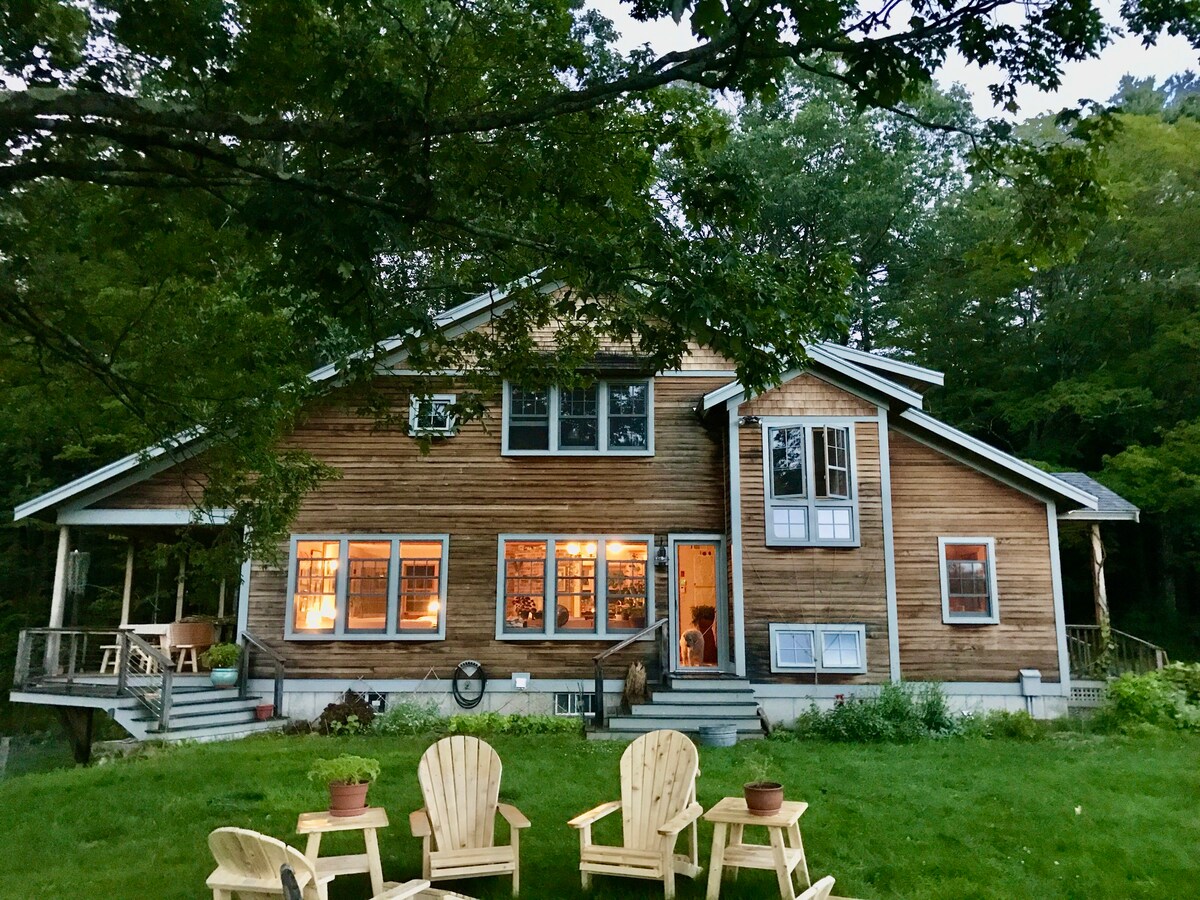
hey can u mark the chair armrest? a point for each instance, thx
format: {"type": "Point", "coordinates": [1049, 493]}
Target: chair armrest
{"type": "Point", "coordinates": [681, 821]}
{"type": "Point", "coordinates": [513, 816]}
{"type": "Point", "coordinates": [403, 891]}
{"type": "Point", "coordinates": [593, 815]}
{"type": "Point", "coordinates": [418, 821]}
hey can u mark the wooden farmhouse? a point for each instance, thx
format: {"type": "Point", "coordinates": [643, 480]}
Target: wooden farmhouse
{"type": "Point", "coordinates": [768, 550]}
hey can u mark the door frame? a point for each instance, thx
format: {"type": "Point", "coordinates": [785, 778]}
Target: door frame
{"type": "Point", "coordinates": [724, 664]}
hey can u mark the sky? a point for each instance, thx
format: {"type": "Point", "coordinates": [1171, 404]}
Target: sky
{"type": "Point", "coordinates": [1094, 79]}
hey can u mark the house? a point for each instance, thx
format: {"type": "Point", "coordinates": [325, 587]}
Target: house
{"type": "Point", "coordinates": [804, 543]}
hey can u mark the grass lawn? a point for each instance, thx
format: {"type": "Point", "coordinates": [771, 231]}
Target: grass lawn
{"type": "Point", "coordinates": [1071, 816]}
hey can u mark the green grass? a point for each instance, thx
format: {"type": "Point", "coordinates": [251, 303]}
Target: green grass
{"type": "Point", "coordinates": [941, 819]}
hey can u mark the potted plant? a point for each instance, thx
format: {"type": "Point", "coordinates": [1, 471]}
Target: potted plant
{"type": "Point", "coordinates": [348, 778]}
{"type": "Point", "coordinates": [222, 659]}
{"type": "Point", "coordinates": [763, 796]}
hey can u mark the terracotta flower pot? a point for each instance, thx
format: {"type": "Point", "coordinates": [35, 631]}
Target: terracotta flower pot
{"type": "Point", "coordinates": [763, 798]}
{"type": "Point", "coordinates": [264, 711]}
{"type": "Point", "coordinates": [347, 799]}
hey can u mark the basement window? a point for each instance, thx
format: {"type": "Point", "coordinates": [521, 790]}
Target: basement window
{"type": "Point", "coordinates": [818, 648]}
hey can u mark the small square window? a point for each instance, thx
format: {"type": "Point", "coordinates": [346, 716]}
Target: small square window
{"type": "Point", "coordinates": [790, 523]}
{"type": "Point", "coordinates": [795, 650]}
{"type": "Point", "coordinates": [431, 415]}
{"type": "Point", "coordinates": [833, 524]}
{"type": "Point", "coordinates": [840, 650]}
{"type": "Point", "coordinates": [807, 647]}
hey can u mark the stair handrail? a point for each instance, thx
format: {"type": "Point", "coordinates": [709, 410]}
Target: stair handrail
{"type": "Point", "coordinates": [250, 642]}
{"type": "Point", "coordinates": [598, 662]}
{"type": "Point", "coordinates": [128, 641]}
{"type": "Point", "coordinates": [1124, 652]}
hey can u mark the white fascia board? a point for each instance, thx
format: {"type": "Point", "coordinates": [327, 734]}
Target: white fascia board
{"type": "Point", "coordinates": [173, 516]}
{"type": "Point", "coordinates": [1057, 486]}
{"type": "Point", "coordinates": [1095, 515]}
{"type": "Point", "coordinates": [722, 395]}
{"type": "Point", "coordinates": [895, 366]}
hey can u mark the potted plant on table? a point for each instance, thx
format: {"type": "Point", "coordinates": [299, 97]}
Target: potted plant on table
{"type": "Point", "coordinates": [764, 797]}
{"type": "Point", "coordinates": [222, 659]}
{"type": "Point", "coordinates": [348, 778]}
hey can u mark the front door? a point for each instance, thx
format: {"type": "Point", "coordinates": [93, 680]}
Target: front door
{"type": "Point", "coordinates": [699, 615]}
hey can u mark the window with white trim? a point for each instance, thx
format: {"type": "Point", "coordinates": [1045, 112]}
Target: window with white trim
{"type": "Point", "coordinates": [596, 586]}
{"type": "Point", "coordinates": [367, 587]}
{"type": "Point", "coordinates": [574, 704]}
{"type": "Point", "coordinates": [968, 576]}
{"type": "Point", "coordinates": [606, 417]}
{"type": "Point", "coordinates": [818, 648]}
{"type": "Point", "coordinates": [809, 484]}
{"type": "Point", "coordinates": [432, 414]}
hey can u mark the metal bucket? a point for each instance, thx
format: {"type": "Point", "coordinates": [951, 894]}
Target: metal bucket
{"type": "Point", "coordinates": [718, 735]}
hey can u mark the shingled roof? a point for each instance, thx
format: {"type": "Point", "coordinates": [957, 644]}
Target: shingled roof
{"type": "Point", "coordinates": [1110, 507]}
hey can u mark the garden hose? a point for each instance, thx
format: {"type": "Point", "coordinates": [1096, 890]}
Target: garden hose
{"type": "Point", "coordinates": [465, 672]}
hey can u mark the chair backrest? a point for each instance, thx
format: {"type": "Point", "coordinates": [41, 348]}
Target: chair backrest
{"type": "Point", "coordinates": [460, 781]}
{"type": "Point", "coordinates": [251, 857]}
{"type": "Point", "coordinates": [819, 891]}
{"type": "Point", "coordinates": [658, 781]}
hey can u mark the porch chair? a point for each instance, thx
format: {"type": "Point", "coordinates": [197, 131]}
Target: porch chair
{"type": "Point", "coordinates": [460, 784]}
{"type": "Point", "coordinates": [248, 867]}
{"type": "Point", "coordinates": [658, 801]}
{"type": "Point", "coordinates": [410, 890]}
{"type": "Point", "coordinates": [821, 890]}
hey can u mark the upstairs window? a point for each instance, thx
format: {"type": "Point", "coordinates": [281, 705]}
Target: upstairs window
{"type": "Point", "coordinates": [431, 415]}
{"type": "Point", "coordinates": [968, 574]}
{"type": "Point", "coordinates": [809, 485]}
{"type": "Point", "coordinates": [606, 417]}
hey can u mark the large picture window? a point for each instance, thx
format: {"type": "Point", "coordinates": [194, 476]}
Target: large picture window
{"type": "Point", "coordinates": [968, 575]}
{"type": "Point", "coordinates": [606, 417]}
{"type": "Point", "coordinates": [809, 484]}
{"type": "Point", "coordinates": [818, 648]}
{"type": "Point", "coordinates": [570, 586]}
{"type": "Point", "coordinates": [367, 587]}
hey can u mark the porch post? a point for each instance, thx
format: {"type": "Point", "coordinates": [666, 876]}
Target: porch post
{"type": "Point", "coordinates": [221, 600]}
{"type": "Point", "coordinates": [179, 590]}
{"type": "Point", "coordinates": [127, 594]}
{"type": "Point", "coordinates": [58, 597]}
{"type": "Point", "coordinates": [1099, 589]}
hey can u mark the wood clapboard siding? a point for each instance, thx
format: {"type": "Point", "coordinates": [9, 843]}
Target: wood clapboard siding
{"type": "Point", "coordinates": [464, 487]}
{"type": "Point", "coordinates": [813, 584]}
{"type": "Point", "coordinates": [934, 495]}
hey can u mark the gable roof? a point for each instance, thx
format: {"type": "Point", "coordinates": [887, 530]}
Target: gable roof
{"type": "Point", "coordinates": [917, 377]}
{"type": "Point", "coordinates": [1110, 506]}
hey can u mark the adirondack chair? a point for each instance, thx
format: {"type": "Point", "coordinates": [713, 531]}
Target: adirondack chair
{"type": "Point", "coordinates": [248, 865]}
{"type": "Point", "coordinates": [460, 783]}
{"type": "Point", "coordinates": [410, 890]}
{"type": "Point", "coordinates": [658, 801]}
{"type": "Point", "coordinates": [821, 890]}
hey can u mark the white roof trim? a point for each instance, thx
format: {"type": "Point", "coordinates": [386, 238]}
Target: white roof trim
{"type": "Point", "coordinates": [1004, 460]}
{"type": "Point", "coordinates": [886, 364]}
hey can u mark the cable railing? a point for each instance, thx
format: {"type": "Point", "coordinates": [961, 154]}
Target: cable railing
{"type": "Point", "coordinates": [1091, 656]}
{"type": "Point", "coordinates": [250, 646]}
{"type": "Point", "coordinates": [660, 627]}
{"type": "Point", "coordinates": [146, 674]}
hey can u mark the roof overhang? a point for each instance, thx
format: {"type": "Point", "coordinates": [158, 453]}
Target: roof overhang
{"type": "Point", "coordinates": [892, 368]}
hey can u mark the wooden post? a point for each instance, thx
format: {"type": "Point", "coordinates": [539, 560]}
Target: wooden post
{"type": "Point", "coordinates": [77, 722]}
{"type": "Point", "coordinates": [1100, 597]}
{"type": "Point", "coordinates": [179, 590]}
{"type": "Point", "coordinates": [58, 597]}
{"type": "Point", "coordinates": [127, 595]}
{"type": "Point", "coordinates": [221, 600]}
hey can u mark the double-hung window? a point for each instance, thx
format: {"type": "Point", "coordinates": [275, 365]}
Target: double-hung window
{"type": "Point", "coordinates": [968, 574]}
{"type": "Point", "coordinates": [605, 417]}
{"type": "Point", "coordinates": [568, 586]}
{"type": "Point", "coordinates": [818, 648]}
{"type": "Point", "coordinates": [809, 484]}
{"type": "Point", "coordinates": [367, 587]}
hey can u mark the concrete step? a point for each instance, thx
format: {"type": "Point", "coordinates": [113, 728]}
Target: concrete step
{"type": "Point", "coordinates": [642, 724]}
{"type": "Point", "coordinates": [704, 697]}
{"type": "Point", "coordinates": [216, 711]}
{"type": "Point", "coordinates": [604, 734]}
{"type": "Point", "coordinates": [219, 732]}
{"type": "Point", "coordinates": [697, 710]}
{"type": "Point", "coordinates": [711, 684]}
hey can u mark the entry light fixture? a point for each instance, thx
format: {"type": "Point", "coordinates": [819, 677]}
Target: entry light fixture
{"type": "Point", "coordinates": [661, 560]}
{"type": "Point", "coordinates": [748, 421]}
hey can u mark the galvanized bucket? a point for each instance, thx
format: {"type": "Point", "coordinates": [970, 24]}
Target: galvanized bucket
{"type": "Point", "coordinates": [718, 735]}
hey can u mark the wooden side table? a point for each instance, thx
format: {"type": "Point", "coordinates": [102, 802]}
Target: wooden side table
{"type": "Point", "coordinates": [784, 853]}
{"type": "Point", "coordinates": [316, 824]}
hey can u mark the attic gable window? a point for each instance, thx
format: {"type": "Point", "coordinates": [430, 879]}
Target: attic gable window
{"type": "Point", "coordinates": [809, 484]}
{"type": "Point", "coordinates": [431, 415]}
{"type": "Point", "coordinates": [606, 418]}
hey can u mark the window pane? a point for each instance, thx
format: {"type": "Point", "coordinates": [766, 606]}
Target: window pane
{"type": "Point", "coordinates": [790, 524]}
{"type": "Point", "coordinates": [529, 420]}
{"type": "Point", "coordinates": [626, 584]}
{"type": "Point", "coordinates": [795, 648]}
{"type": "Point", "coordinates": [787, 461]}
{"type": "Point", "coordinates": [433, 415]}
{"type": "Point", "coordinates": [575, 585]}
{"type": "Point", "coordinates": [834, 524]}
{"type": "Point", "coordinates": [420, 606]}
{"type": "Point", "coordinates": [524, 585]}
{"type": "Point", "coordinates": [367, 586]}
{"type": "Point", "coordinates": [315, 601]}
{"type": "Point", "coordinates": [837, 462]}
{"type": "Point", "coordinates": [578, 419]}
{"type": "Point", "coordinates": [628, 420]}
{"type": "Point", "coordinates": [840, 650]}
{"type": "Point", "coordinates": [968, 579]}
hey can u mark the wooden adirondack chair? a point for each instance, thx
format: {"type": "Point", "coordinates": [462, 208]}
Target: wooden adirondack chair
{"type": "Point", "coordinates": [460, 783]}
{"type": "Point", "coordinates": [821, 890]}
{"type": "Point", "coordinates": [248, 866]}
{"type": "Point", "coordinates": [658, 801]}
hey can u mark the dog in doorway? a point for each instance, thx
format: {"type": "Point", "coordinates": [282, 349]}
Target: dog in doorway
{"type": "Point", "coordinates": [691, 648]}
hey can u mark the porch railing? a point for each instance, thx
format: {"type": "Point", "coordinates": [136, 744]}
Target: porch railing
{"type": "Point", "coordinates": [659, 627]}
{"type": "Point", "coordinates": [146, 674]}
{"type": "Point", "coordinates": [252, 645]}
{"type": "Point", "coordinates": [1090, 656]}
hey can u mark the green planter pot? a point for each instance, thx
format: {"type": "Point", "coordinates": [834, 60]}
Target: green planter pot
{"type": "Point", "coordinates": [224, 678]}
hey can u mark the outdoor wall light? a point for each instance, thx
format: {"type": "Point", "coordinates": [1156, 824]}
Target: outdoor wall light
{"type": "Point", "coordinates": [661, 560]}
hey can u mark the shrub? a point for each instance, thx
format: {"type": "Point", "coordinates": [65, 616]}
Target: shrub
{"type": "Point", "coordinates": [1186, 677]}
{"type": "Point", "coordinates": [221, 656]}
{"type": "Point", "coordinates": [1158, 699]}
{"type": "Point", "coordinates": [894, 714]}
{"type": "Point", "coordinates": [499, 723]}
{"type": "Point", "coordinates": [409, 717]}
{"type": "Point", "coordinates": [350, 715]}
{"type": "Point", "coordinates": [345, 769]}
{"type": "Point", "coordinates": [1003, 723]}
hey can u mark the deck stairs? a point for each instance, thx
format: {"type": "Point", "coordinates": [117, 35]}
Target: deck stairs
{"type": "Point", "coordinates": [198, 713]}
{"type": "Point", "coordinates": [687, 704]}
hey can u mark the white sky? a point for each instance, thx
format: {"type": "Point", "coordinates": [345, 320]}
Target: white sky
{"type": "Point", "coordinates": [1094, 79]}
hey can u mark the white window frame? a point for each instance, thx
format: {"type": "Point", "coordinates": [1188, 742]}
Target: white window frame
{"type": "Point", "coordinates": [414, 408]}
{"type": "Point", "coordinates": [393, 632]}
{"type": "Point", "coordinates": [550, 593]}
{"type": "Point", "coordinates": [573, 701]}
{"type": "Point", "coordinates": [818, 632]}
{"type": "Point", "coordinates": [948, 618]}
{"type": "Point", "coordinates": [808, 501]}
{"type": "Point", "coordinates": [602, 448]}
